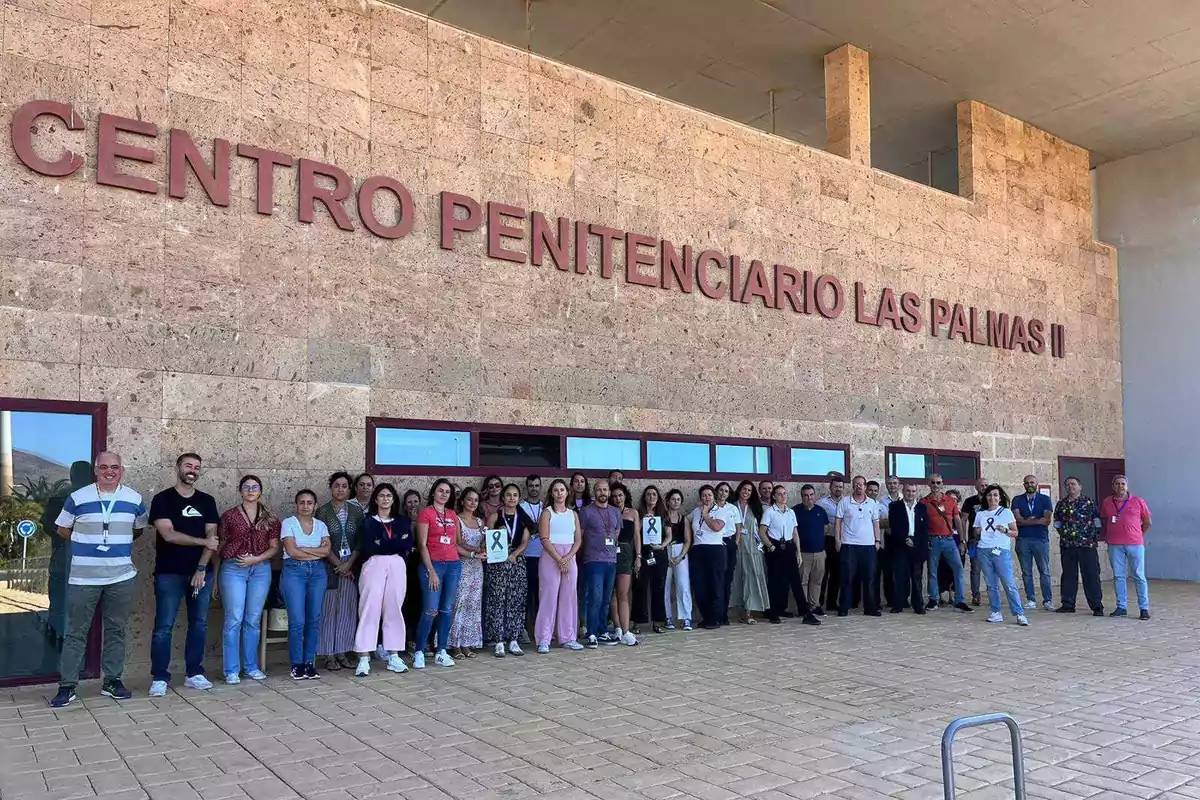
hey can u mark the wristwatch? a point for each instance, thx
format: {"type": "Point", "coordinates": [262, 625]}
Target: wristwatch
{"type": "Point", "coordinates": [201, 569]}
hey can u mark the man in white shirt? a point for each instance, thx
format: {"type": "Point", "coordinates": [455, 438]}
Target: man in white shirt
{"type": "Point", "coordinates": [858, 540]}
{"type": "Point", "coordinates": [707, 556]}
{"type": "Point", "coordinates": [832, 585]}
{"type": "Point", "coordinates": [533, 506]}
{"type": "Point", "coordinates": [733, 519]}
{"type": "Point", "coordinates": [781, 551]}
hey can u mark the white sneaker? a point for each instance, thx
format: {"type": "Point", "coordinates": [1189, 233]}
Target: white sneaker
{"type": "Point", "coordinates": [619, 634]}
{"type": "Point", "coordinates": [515, 649]}
{"type": "Point", "coordinates": [1031, 603]}
{"type": "Point", "coordinates": [1048, 605]}
{"type": "Point", "coordinates": [629, 639]}
{"type": "Point", "coordinates": [198, 682]}
{"type": "Point", "coordinates": [443, 659]}
{"type": "Point", "coordinates": [545, 648]}
{"type": "Point", "coordinates": [499, 649]}
{"type": "Point", "coordinates": [996, 617]}
{"type": "Point", "coordinates": [592, 643]}
{"type": "Point", "coordinates": [158, 689]}
{"type": "Point", "coordinates": [1022, 620]}
{"type": "Point", "coordinates": [396, 664]}
{"type": "Point", "coordinates": [256, 675]}
{"type": "Point", "coordinates": [571, 645]}
{"type": "Point", "coordinates": [364, 667]}
{"type": "Point", "coordinates": [419, 660]}
{"type": "Point", "coordinates": [232, 678]}
{"type": "Point", "coordinates": [380, 653]}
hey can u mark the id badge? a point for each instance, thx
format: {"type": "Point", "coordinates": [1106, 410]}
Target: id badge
{"type": "Point", "coordinates": [608, 542]}
{"type": "Point", "coordinates": [101, 548]}
{"type": "Point", "coordinates": [1113, 520]}
{"type": "Point", "coordinates": [650, 562]}
{"type": "Point", "coordinates": [344, 552]}
{"type": "Point", "coordinates": [444, 539]}
{"type": "Point", "coordinates": [996, 551]}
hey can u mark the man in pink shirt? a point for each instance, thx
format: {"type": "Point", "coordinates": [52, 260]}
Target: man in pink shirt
{"type": "Point", "coordinates": [1126, 519]}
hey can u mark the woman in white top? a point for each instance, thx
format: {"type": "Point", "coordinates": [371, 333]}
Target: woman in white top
{"type": "Point", "coordinates": [678, 591]}
{"type": "Point", "coordinates": [305, 542]}
{"type": "Point", "coordinates": [558, 574]}
{"type": "Point", "coordinates": [996, 528]}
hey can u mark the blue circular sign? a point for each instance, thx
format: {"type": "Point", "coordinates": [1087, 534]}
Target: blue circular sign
{"type": "Point", "coordinates": [26, 528]}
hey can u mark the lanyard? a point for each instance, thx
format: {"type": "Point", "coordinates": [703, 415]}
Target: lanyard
{"type": "Point", "coordinates": [535, 510]}
{"type": "Point", "coordinates": [1128, 497]}
{"type": "Point", "coordinates": [1030, 503]}
{"type": "Point", "coordinates": [387, 528]}
{"type": "Point", "coordinates": [512, 529]}
{"type": "Point", "coordinates": [106, 511]}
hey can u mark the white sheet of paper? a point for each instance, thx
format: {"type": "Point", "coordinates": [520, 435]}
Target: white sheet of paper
{"type": "Point", "coordinates": [497, 545]}
{"type": "Point", "coordinates": [652, 531]}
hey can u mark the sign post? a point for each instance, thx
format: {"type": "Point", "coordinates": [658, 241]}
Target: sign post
{"type": "Point", "coordinates": [26, 528]}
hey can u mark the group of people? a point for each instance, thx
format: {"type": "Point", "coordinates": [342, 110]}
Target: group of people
{"type": "Point", "coordinates": [581, 564]}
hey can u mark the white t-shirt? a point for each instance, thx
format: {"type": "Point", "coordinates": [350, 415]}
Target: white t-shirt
{"type": "Point", "coordinates": [702, 534]}
{"type": "Point", "coordinates": [534, 510]}
{"type": "Point", "coordinates": [988, 521]}
{"type": "Point", "coordinates": [831, 506]}
{"type": "Point", "coordinates": [780, 524]}
{"type": "Point", "coordinates": [858, 520]}
{"type": "Point", "coordinates": [290, 529]}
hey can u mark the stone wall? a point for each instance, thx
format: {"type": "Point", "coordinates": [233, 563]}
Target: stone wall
{"type": "Point", "coordinates": [263, 342]}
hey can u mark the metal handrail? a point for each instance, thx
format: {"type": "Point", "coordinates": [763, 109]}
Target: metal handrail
{"type": "Point", "coordinates": [1014, 736]}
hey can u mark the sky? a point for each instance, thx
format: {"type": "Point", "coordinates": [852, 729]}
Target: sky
{"type": "Point", "coordinates": [58, 437]}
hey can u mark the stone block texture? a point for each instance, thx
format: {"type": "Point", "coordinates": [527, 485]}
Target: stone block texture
{"type": "Point", "coordinates": [263, 343]}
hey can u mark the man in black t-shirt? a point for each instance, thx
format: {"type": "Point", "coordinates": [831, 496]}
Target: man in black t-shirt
{"type": "Point", "coordinates": [969, 507]}
{"type": "Point", "coordinates": [186, 521]}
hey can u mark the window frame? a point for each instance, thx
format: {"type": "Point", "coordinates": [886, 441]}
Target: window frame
{"type": "Point", "coordinates": [888, 452]}
{"type": "Point", "coordinates": [780, 451]}
{"type": "Point", "coordinates": [799, 477]}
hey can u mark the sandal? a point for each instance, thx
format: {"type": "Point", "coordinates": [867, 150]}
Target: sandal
{"type": "Point", "coordinates": [659, 629]}
{"type": "Point", "coordinates": [749, 620]}
{"type": "Point", "coordinates": [468, 654]}
{"type": "Point", "coordinates": [345, 661]}
{"type": "Point", "coordinates": [331, 665]}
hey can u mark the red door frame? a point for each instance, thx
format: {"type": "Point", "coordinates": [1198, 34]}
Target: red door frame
{"type": "Point", "coordinates": [1104, 469]}
{"type": "Point", "coordinates": [99, 415]}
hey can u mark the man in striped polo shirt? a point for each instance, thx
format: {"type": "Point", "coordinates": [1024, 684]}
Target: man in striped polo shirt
{"type": "Point", "coordinates": [101, 521]}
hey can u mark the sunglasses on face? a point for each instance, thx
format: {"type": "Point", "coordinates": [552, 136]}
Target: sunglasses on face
{"type": "Point", "coordinates": [935, 483]}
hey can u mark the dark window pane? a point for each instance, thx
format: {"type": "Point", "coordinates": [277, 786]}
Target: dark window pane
{"type": "Point", "coordinates": [678, 457]}
{"type": "Point", "coordinates": [585, 452]}
{"type": "Point", "coordinates": [743, 459]}
{"type": "Point", "coordinates": [958, 469]}
{"type": "Point", "coordinates": [519, 450]}
{"type": "Point", "coordinates": [918, 466]}
{"type": "Point", "coordinates": [414, 447]}
{"type": "Point", "coordinates": [817, 461]}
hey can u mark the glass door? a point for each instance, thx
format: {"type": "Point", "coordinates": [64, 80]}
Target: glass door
{"type": "Point", "coordinates": [46, 452]}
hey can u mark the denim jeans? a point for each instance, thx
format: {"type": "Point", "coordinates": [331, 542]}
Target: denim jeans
{"type": "Point", "coordinates": [302, 585]}
{"type": "Point", "coordinates": [1130, 560]}
{"type": "Point", "coordinates": [243, 593]}
{"type": "Point", "coordinates": [600, 577]}
{"type": "Point", "coordinates": [997, 571]}
{"type": "Point", "coordinates": [1030, 552]}
{"type": "Point", "coordinates": [170, 591]}
{"type": "Point", "coordinates": [438, 604]}
{"type": "Point", "coordinates": [944, 548]}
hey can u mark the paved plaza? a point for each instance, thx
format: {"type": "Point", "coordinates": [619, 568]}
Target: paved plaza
{"type": "Point", "coordinates": [855, 709]}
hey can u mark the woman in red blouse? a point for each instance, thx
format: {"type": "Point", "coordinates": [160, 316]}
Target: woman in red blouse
{"type": "Point", "coordinates": [249, 536]}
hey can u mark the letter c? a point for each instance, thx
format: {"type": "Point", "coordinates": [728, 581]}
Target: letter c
{"type": "Point", "coordinates": [22, 137]}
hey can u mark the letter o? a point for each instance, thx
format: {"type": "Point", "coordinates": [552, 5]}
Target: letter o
{"type": "Point", "coordinates": [366, 211]}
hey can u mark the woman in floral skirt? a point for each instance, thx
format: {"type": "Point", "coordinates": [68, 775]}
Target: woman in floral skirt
{"type": "Point", "coordinates": [466, 631]}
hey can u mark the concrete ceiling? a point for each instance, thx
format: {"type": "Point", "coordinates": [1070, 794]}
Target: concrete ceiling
{"type": "Point", "coordinates": [1115, 76]}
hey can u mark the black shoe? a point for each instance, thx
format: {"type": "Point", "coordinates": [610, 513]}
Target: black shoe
{"type": "Point", "coordinates": [920, 611]}
{"type": "Point", "coordinates": [1064, 610]}
{"type": "Point", "coordinates": [932, 604]}
{"type": "Point", "coordinates": [787, 614]}
{"type": "Point", "coordinates": [298, 672]}
{"type": "Point", "coordinates": [809, 619]}
{"type": "Point", "coordinates": [843, 613]}
{"type": "Point", "coordinates": [115, 689]}
{"type": "Point", "coordinates": [1099, 612]}
{"type": "Point", "coordinates": [897, 611]}
{"type": "Point", "coordinates": [66, 695]}
{"type": "Point", "coordinates": [310, 672]}
{"type": "Point", "coordinates": [1144, 615]}
{"type": "Point", "coordinates": [819, 611]}
{"type": "Point", "coordinates": [775, 620]}
{"type": "Point", "coordinates": [1119, 612]}
{"type": "Point", "coordinates": [964, 607]}
{"type": "Point", "coordinates": [873, 613]}
{"type": "Point", "coordinates": [710, 626]}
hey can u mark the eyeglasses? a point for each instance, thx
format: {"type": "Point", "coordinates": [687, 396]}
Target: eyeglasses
{"type": "Point", "coordinates": [935, 483]}
{"type": "Point", "coordinates": [493, 486]}
{"type": "Point", "coordinates": [251, 487]}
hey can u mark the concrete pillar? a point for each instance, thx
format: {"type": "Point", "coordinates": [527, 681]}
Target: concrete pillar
{"type": "Point", "coordinates": [848, 104]}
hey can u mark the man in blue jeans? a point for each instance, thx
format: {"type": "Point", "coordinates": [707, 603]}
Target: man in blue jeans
{"type": "Point", "coordinates": [944, 522]}
{"type": "Point", "coordinates": [1034, 513]}
{"type": "Point", "coordinates": [600, 524]}
{"type": "Point", "coordinates": [185, 520]}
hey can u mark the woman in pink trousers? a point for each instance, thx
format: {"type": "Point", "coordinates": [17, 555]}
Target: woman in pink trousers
{"type": "Point", "coordinates": [386, 538]}
{"type": "Point", "coordinates": [558, 600]}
